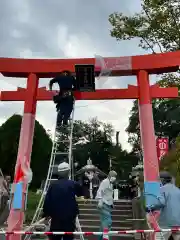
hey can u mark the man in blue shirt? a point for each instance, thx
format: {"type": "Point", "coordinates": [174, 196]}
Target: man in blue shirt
{"type": "Point", "coordinates": [60, 203]}
{"type": "Point", "coordinates": [169, 206]}
{"type": "Point", "coordinates": [64, 100]}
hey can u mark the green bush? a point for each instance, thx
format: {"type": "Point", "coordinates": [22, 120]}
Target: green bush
{"type": "Point", "coordinates": [33, 200]}
{"type": "Point", "coordinates": [171, 162]}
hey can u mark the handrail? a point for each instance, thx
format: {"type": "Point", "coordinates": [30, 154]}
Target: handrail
{"type": "Point", "coordinates": [79, 228]}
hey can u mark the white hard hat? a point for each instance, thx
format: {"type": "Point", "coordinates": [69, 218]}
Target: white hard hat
{"type": "Point", "coordinates": [63, 167]}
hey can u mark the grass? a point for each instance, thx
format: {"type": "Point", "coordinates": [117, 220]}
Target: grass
{"type": "Point", "coordinates": [33, 200]}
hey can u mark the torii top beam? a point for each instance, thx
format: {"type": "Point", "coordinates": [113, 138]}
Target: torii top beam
{"type": "Point", "coordinates": [122, 66]}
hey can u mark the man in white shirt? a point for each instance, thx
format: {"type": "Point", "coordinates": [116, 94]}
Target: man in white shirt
{"type": "Point", "coordinates": [105, 203]}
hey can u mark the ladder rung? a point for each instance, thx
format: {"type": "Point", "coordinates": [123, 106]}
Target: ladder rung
{"type": "Point", "coordinates": [57, 138]}
{"type": "Point", "coordinates": [60, 153]}
{"type": "Point", "coordinates": [63, 141]}
{"type": "Point", "coordinates": [59, 150]}
{"type": "Point", "coordinates": [63, 128]}
{"type": "Point", "coordinates": [54, 165]}
{"type": "Point", "coordinates": [67, 138]}
{"type": "Point", "coordinates": [63, 131]}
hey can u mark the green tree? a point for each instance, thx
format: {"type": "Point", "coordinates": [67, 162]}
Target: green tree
{"type": "Point", "coordinates": [99, 137]}
{"type": "Point", "coordinates": [123, 161]}
{"type": "Point", "coordinates": [100, 147]}
{"type": "Point", "coordinates": [9, 141]}
{"type": "Point", "coordinates": [157, 28]}
{"type": "Point", "coordinates": [157, 25]}
{"type": "Point", "coordinates": [166, 121]}
{"type": "Point", "coordinates": [171, 161]}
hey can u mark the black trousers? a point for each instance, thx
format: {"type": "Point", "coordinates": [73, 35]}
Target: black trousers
{"type": "Point", "coordinates": [94, 192]}
{"type": "Point", "coordinates": [86, 192]}
{"type": "Point", "coordinates": [64, 109]}
{"type": "Point", "coordinates": [67, 225]}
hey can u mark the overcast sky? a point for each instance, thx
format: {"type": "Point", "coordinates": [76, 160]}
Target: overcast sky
{"type": "Point", "coordinates": [65, 29]}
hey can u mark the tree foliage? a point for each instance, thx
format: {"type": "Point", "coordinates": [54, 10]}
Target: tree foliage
{"type": "Point", "coordinates": [100, 147]}
{"type": "Point", "coordinates": [171, 161]}
{"type": "Point", "coordinates": [166, 115]}
{"type": "Point", "coordinates": [9, 141]}
{"type": "Point", "coordinates": [157, 28]}
{"type": "Point", "coordinates": [157, 25]}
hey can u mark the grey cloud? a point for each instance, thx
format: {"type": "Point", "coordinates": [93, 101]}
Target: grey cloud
{"type": "Point", "coordinates": [38, 30]}
{"type": "Point", "coordinates": [90, 17]}
{"type": "Point", "coordinates": [8, 109]}
{"type": "Point", "coordinates": [38, 33]}
{"type": "Point", "coordinates": [33, 25]}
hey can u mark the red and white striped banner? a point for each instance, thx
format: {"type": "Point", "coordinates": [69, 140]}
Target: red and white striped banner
{"type": "Point", "coordinates": [162, 144]}
{"type": "Point", "coordinates": [91, 233]}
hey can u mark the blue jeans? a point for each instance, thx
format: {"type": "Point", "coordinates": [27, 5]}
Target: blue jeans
{"type": "Point", "coordinates": [105, 218]}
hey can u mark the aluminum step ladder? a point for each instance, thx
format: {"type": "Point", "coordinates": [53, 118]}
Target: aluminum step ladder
{"type": "Point", "coordinates": [61, 136]}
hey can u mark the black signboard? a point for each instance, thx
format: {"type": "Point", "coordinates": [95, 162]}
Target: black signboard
{"type": "Point", "coordinates": [85, 78]}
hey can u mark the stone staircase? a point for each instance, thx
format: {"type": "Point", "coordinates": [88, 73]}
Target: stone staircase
{"type": "Point", "coordinates": [122, 218]}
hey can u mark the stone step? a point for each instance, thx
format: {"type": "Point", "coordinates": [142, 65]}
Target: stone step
{"type": "Point", "coordinates": [116, 237]}
{"type": "Point", "coordinates": [114, 217]}
{"type": "Point", "coordinates": [115, 212]}
{"type": "Point", "coordinates": [123, 202]}
{"type": "Point", "coordinates": [92, 202]}
{"type": "Point", "coordinates": [95, 228]}
{"type": "Point", "coordinates": [115, 224]}
{"type": "Point", "coordinates": [94, 206]}
{"type": "Point", "coordinates": [116, 201]}
{"type": "Point", "coordinates": [121, 215]}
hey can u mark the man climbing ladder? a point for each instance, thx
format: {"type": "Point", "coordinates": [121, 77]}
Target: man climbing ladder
{"type": "Point", "coordinates": [65, 99]}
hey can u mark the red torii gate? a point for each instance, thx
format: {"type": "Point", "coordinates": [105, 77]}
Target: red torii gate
{"type": "Point", "coordinates": [33, 69]}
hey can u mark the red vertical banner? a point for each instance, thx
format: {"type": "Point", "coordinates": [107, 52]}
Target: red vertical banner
{"type": "Point", "coordinates": [162, 144]}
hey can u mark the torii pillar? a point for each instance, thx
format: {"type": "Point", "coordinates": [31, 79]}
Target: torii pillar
{"type": "Point", "coordinates": [141, 66]}
{"type": "Point", "coordinates": [22, 169]}
{"type": "Point", "coordinates": [151, 164]}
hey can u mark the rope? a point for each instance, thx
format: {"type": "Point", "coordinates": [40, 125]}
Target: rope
{"type": "Point", "coordinates": [173, 230]}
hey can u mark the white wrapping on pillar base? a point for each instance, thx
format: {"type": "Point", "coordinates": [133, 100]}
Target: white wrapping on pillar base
{"type": "Point", "coordinates": [28, 175]}
{"type": "Point", "coordinates": [27, 171]}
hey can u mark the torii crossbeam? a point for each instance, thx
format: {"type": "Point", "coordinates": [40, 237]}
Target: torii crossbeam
{"type": "Point", "coordinates": [33, 69]}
